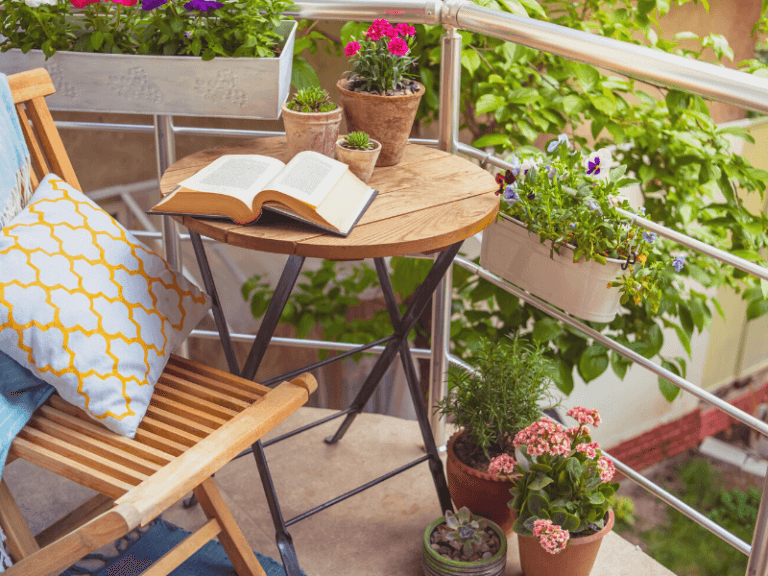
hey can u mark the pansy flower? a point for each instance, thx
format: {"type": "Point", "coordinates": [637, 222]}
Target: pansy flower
{"type": "Point", "coordinates": [505, 179]}
{"type": "Point", "coordinates": [555, 144]}
{"type": "Point", "coordinates": [678, 263]}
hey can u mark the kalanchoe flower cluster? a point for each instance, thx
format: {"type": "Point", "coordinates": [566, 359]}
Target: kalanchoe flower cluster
{"type": "Point", "coordinates": [551, 537]}
{"type": "Point", "coordinates": [606, 468]}
{"type": "Point", "coordinates": [503, 464]}
{"type": "Point", "coordinates": [584, 416]}
{"type": "Point", "coordinates": [544, 437]}
{"type": "Point", "coordinates": [381, 57]}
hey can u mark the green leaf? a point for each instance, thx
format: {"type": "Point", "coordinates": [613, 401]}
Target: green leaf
{"type": "Point", "coordinates": [97, 39]}
{"type": "Point", "coordinates": [537, 504]}
{"type": "Point", "coordinates": [764, 287]}
{"type": "Point", "coordinates": [515, 7]}
{"type": "Point", "coordinates": [533, 8]}
{"type": "Point", "coordinates": [545, 330]}
{"type": "Point", "coordinates": [470, 60]}
{"type": "Point", "coordinates": [573, 105]}
{"type": "Point", "coordinates": [668, 390]}
{"type": "Point", "coordinates": [543, 468]}
{"type": "Point", "coordinates": [619, 365]}
{"type": "Point", "coordinates": [571, 522]}
{"type": "Point", "coordinates": [587, 76]}
{"type": "Point", "coordinates": [488, 103]}
{"type": "Point", "coordinates": [539, 481]}
{"type": "Point", "coordinates": [574, 469]}
{"type": "Point", "coordinates": [520, 528]}
{"type": "Point", "coordinates": [596, 498]}
{"type": "Point", "coordinates": [756, 309]}
{"type": "Point", "coordinates": [564, 376]}
{"type": "Point", "coordinates": [491, 140]}
{"type": "Point", "coordinates": [302, 74]}
{"type": "Point", "coordinates": [593, 362]}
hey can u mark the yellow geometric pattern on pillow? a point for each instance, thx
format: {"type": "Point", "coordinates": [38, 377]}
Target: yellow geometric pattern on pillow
{"type": "Point", "coordinates": [95, 228]}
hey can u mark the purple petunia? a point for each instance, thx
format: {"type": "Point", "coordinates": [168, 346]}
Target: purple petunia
{"type": "Point", "coordinates": [203, 5]}
{"type": "Point", "coordinates": [152, 4]}
{"type": "Point", "coordinates": [678, 263]}
{"type": "Point", "coordinates": [511, 195]}
{"type": "Point", "coordinates": [649, 237]}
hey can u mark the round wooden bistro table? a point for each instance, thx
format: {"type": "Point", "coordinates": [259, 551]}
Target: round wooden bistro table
{"type": "Point", "coordinates": [428, 203]}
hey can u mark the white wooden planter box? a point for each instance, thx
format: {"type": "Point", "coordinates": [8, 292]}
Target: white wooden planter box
{"type": "Point", "coordinates": [581, 289]}
{"type": "Point", "coordinates": [176, 85]}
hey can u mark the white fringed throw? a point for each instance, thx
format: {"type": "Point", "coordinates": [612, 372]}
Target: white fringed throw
{"type": "Point", "coordinates": [15, 185]}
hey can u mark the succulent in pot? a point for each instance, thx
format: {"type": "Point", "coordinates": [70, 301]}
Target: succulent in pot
{"type": "Point", "coordinates": [312, 122]}
{"type": "Point", "coordinates": [507, 392]}
{"type": "Point", "coordinates": [379, 95]}
{"type": "Point", "coordinates": [359, 152]}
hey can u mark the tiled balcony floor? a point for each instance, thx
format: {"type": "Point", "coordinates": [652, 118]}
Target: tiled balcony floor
{"type": "Point", "coordinates": [375, 533]}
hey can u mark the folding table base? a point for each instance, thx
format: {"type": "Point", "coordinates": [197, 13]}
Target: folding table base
{"type": "Point", "coordinates": [397, 343]}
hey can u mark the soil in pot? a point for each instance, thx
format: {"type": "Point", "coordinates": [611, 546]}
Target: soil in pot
{"type": "Point", "coordinates": [470, 484]}
{"type": "Point", "coordinates": [447, 549]}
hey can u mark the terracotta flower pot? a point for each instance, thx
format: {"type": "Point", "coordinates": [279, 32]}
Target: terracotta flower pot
{"type": "Point", "coordinates": [317, 131]}
{"type": "Point", "coordinates": [433, 564]}
{"type": "Point", "coordinates": [483, 494]}
{"type": "Point", "coordinates": [360, 162]}
{"type": "Point", "coordinates": [576, 560]}
{"type": "Point", "coordinates": [387, 119]}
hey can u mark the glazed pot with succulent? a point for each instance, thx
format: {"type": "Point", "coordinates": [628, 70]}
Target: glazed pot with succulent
{"type": "Point", "coordinates": [463, 544]}
{"type": "Point", "coordinates": [559, 225]}
{"type": "Point", "coordinates": [508, 391]}
{"type": "Point", "coordinates": [359, 152]}
{"type": "Point", "coordinates": [312, 122]}
{"type": "Point", "coordinates": [379, 96]}
{"type": "Point", "coordinates": [562, 498]}
{"type": "Point", "coordinates": [205, 54]}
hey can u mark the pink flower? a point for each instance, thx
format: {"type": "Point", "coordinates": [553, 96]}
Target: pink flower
{"type": "Point", "coordinates": [378, 29]}
{"type": "Point", "coordinates": [589, 449]}
{"type": "Point", "coordinates": [606, 469]}
{"type": "Point", "coordinates": [585, 416]}
{"type": "Point", "coordinates": [405, 29]}
{"type": "Point", "coordinates": [551, 536]}
{"type": "Point", "coordinates": [503, 464]}
{"type": "Point", "coordinates": [398, 47]}
{"type": "Point", "coordinates": [352, 48]}
{"type": "Point", "coordinates": [544, 437]}
{"type": "Point", "coordinates": [576, 432]}
{"type": "Point", "coordinates": [126, 2]}
{"type": "Point", "coordinates": [83, 3]}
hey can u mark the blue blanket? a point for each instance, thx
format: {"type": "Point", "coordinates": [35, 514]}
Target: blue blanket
{"type": "Point", "coordinates": [15, 186]}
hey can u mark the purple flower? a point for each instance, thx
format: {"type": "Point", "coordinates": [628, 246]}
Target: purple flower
{"type": "Point", "coordinates": [152, 4]}
{"type": "Point", "coordinates": [511, 195]}
{"type": "Point", "coordinates": [593, 166]}
{"type": "Point", "coordinates": [555, 144]}
{"type": "Point", "coordinates": [678, 263]}
{"type": "Point", "coordinates": [203, 5]}
{"type": "Point", "coordinates": [592, 205]}
{"type": "Point", "coordinates": [572, 226]}
{"type": "Point", "coordinates": [649, 237]}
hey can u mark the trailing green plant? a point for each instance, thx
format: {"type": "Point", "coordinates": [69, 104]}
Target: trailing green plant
{"type": "Point", "coordinates": [685, 547]}
{"type": "Point", "coordinates": [468, 534]}
{"type": "Point", "coordinates": [624, 511]}
{"type": "Point", "coordinates": [358, 141]}
{"type": "Point", "coordinates": [205, 28]}
{"type": "Point", "coordinates": [311, 99]}
{"type": "Point", "coordinates": [511, 386]}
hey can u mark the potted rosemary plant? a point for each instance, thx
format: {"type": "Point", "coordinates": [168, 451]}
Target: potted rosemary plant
{"type": "Point", "coordinates": [563, 499]}
{"type": "Point", "coordinates": [378, 96]}
{"type": "Point", "coordinates": [359, 152]}
{"type": "Point", "coordinates": [207, 57]}
{"type": "Point", "coordinates": [559, 235]}
{"type": "Point", "coordinates": [312, 122]}
{"type": "Point", "coordinates": [463, 544]}
{"type": "Point", "coordinates": [508, 392]}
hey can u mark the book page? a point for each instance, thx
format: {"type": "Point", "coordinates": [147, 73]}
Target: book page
{"type": "Point", "coordinates": [309, 177]}
{"type": "Point", "coordinates": [239, 175]}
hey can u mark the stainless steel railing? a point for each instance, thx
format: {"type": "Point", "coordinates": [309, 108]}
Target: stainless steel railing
{"type": "Point", "coordinates": [707, 80]}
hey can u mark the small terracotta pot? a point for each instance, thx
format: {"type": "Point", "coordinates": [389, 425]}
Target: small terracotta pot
{"type": "Point", "coordinates": [482, 493]}
{"type": "Point", "coordinates": [388, 119]}
{"type": "Point", "coordinates": [577, 559]}
{"type": "Point", "coordinates": [433, 564]}
{"type": "Point", "coordinates": [360, 162]}
{"type": "Point", "coordinates": [317, 131]}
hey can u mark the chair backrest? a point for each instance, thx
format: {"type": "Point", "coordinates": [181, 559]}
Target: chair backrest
{"type": "Point", "coordinates": [46, 149]}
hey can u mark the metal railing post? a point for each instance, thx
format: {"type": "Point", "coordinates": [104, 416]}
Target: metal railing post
{"type": "Point", "coordinates": [165, 150]}
{"type": "Point", "coordinates": [758, 557]}
{"type": "Point", "coordinates": [450, 81]}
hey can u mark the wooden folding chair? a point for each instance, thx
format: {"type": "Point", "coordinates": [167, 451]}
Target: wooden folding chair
{"type": "Point", "coordinates": [198, 420]}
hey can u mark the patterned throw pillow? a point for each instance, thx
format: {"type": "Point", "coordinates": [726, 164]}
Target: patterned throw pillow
{"type": "Point", "coordinates": [88, 308]}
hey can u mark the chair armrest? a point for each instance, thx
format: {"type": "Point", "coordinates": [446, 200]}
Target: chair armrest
{"type": "Point", "coordinates": [172, 482]}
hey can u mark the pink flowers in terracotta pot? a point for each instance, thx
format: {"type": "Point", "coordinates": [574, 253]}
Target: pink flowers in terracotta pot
{"type": "Point", "coordinates": [566, 490]}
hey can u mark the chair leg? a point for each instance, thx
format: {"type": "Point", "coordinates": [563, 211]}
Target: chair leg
{"type": "Point", "coordinates": [231, 537]}
{"type": "Point", "coordinates": [21, 542]}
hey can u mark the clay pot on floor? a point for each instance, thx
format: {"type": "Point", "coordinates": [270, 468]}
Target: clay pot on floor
{"type": "Point", "coordinates": [316, 131]}
{"type": "Point", "coordinates": [434, 564]}
{"type": "Point", "coordinates": [576, 560]}
{"type": "Point", "coordinates": [387, 119]}
{"type": "Point", "coordinates": [483, 494]}
{"type": "Point", "coordinates": [360, 162]}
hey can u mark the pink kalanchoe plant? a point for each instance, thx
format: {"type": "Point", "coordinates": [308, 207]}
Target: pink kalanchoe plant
{"type": "Point", "coordinates": [566, 492]}
{"type": "Point", "coordinates": [381, 59]}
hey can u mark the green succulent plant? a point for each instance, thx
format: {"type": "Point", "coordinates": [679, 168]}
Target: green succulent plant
{"type": "Point", "coordinates": [312, 99]}
{"type": "Point", "coordinates": [358, 141]}
{"type": "Point", "coordinates": [468, 534]}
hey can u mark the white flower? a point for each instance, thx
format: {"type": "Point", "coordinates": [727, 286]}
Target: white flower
{"type": "Point", "coordinates": [38, 3]}
{"type": "Point", "coordinates": [598, 164]}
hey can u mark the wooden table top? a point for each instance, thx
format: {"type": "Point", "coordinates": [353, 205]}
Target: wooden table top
{"type": "Point", "coordinates": [427, 202]}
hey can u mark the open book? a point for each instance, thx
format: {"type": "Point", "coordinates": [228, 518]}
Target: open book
{"type": "Point", "coordinates": [311, 188]}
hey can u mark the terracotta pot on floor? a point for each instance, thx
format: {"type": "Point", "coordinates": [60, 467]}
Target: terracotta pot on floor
{"type": "Point", "coordinates": [482, 493]}
{"type": "Point", "coordinates": [388, 119]}
{"type": "Point", "coordinates": [576, 560]}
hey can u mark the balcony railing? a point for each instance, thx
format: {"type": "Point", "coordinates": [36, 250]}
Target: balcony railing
{"type": "Point", "coordinates": [659, 68]}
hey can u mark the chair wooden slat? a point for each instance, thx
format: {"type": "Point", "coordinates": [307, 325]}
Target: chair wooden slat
{"type": "Point", "coordinates": [39, 166]}
{"type": "Point", "coordinates": [112, 453]}
{"type": "Point", "coordinates": [63, 466]}
{"type": "Point", "coordinates": [21, 542]}
{"type": "Point", "coordinates": [82, 456]}
{"type": "Point", "coordinates": [193, 401]}
{"type": "Point", "coordinates": [187, 414]}
{"type": "Point", "coordinates": [178, 422]}
{"type": "Point", "coordinates": [50, 141]}
{"type": "Point", "coordinates": [218, 397]}
{"type": "Point", "coordinates": [72, 521]}
{"type": "Point", "coordinates": [180, 553]}
{"type": "Point", "coordinates": [231, 379]}
{"type": "Point", "coordinates": [167, 431]}
{"type": "Point", "coordinates": [243, 394]}
{"type": "Point", "coordinates": [30, 84]}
